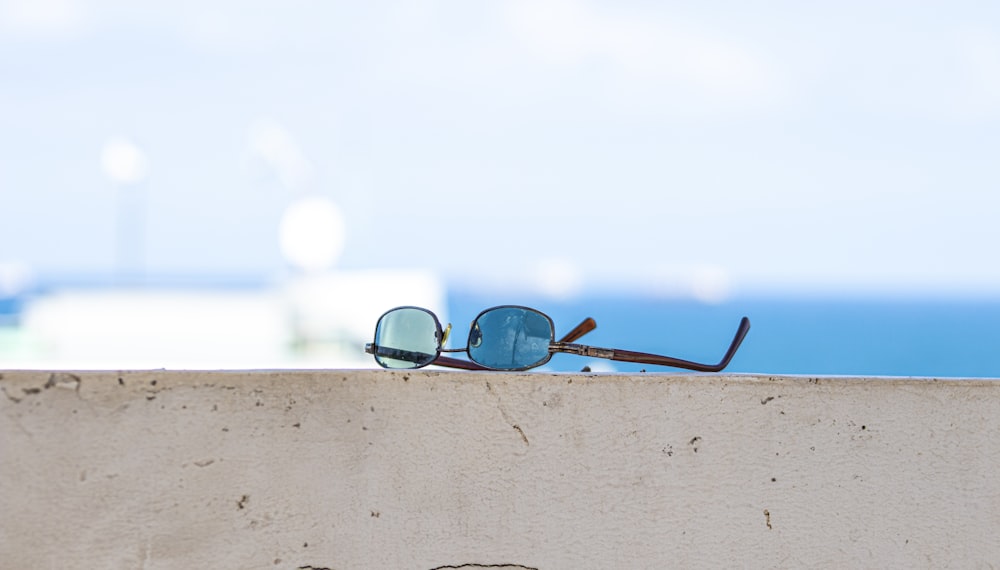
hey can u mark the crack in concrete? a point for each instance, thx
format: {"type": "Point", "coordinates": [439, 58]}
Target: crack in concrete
{"type": "Point", "coordinates": [521, 431]}
{"type": "Point", "coordinates": [474, 566]}
{"type": "Point", "coordinates": [506, 417]}
{"type": "Point", "coordinates": [10, 396]}
{"type": "Point", "coordinates": [63, 380]}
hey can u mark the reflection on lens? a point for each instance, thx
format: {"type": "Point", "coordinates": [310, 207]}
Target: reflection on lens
{"type": "Point", "coordinates": [510, 338]}
{"type": "Point", "coordinates": [475, 336]}
{"type": "Point", "coordinates": [406, 338]}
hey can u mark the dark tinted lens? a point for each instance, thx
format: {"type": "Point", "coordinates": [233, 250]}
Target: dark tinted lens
{"type": "Point", "coordinates": [510, 338]}
{"type": "Point", "coordinates": [406, 338]}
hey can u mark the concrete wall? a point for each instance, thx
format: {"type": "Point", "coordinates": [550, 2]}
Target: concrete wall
{"type": "Point", "coordinates": [422, 470]}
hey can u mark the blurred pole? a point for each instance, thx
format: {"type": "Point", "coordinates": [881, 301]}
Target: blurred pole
{"type": "Point", "coordinates": [126, 166]}
{"type": "Point", "coordinates": [130, 262]}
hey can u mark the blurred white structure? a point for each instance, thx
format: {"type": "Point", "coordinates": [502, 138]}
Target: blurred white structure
{"type": "Point", "coordinates": [317, 321]}
{"type": "Point", "coordinates": [122, 328]}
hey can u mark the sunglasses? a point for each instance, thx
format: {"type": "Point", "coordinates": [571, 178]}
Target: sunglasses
{"type": "Point", "coordinates": [508, 337]}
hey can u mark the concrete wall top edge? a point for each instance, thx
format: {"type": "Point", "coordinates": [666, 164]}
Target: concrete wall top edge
{"type": "Point", "coordinates": [16, 384]}
{"type": "Point", "coordinates": [34, 375]}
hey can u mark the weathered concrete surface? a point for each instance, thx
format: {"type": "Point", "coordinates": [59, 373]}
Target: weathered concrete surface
{"type": "Point", "coordinates": [421, 470]}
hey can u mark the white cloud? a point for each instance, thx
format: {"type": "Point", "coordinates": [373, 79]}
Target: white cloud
{"type": "Point", "coordinates": [942, 73]}
{"type": "Point", "coordinates": [271, 142]}
{"type": "Point", "coordinates": [559, 278]}
{"type": "Point", "coordinates": [979, 61]}
{"type": "Point", "coordinates": [43, 19]}
{"type": "Point", "coordinates": [711, 284]}
{"type": "Point", "coordinates": [646, 48]}
{"type": "Point", "coordinates": [15, 277]}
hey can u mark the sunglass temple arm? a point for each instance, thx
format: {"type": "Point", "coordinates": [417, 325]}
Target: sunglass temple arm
{"type": "Point", "coordinates": [646, 358]}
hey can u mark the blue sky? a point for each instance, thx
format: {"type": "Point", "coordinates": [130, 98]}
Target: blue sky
{"type": "Point", "coordinates": [728, 147]}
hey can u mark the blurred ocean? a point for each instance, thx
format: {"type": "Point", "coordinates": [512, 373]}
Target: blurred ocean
{"type": "Point", "coordinates": [872, 337]}
{"type": "Point", "coordinates": [227, 325]}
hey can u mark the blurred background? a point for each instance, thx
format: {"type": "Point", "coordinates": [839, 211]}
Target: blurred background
{"type": "Point", "coordinates": [251, 184]}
